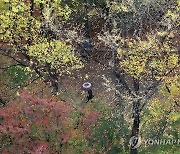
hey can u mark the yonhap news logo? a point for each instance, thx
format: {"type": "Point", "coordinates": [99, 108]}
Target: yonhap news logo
{"type": "Point", "coordinates": [136, 141]}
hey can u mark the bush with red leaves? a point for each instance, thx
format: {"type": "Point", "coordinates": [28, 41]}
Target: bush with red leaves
{"type": "Point", "coordinates": [33, 125]}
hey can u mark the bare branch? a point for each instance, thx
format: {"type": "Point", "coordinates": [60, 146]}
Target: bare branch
{"type": "Point", "coordinates": [7, 55]}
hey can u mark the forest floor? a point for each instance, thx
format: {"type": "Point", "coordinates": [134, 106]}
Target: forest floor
{"type": "Point", "coordinates": [100, 76]}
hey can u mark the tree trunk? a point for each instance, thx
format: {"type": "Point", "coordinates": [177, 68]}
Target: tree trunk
{"type": "Point", "coordinates": [135, 132]}
{"type": "Point", "coordinates": [136, 121]}
{"type": "Point", "coordinates": [86, 26]}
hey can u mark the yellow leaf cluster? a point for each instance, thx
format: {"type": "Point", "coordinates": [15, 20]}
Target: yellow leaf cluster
{"type": "Point", "coordinates": [142, 56]}
{"type": "Point", "coordinates": [59, 55]}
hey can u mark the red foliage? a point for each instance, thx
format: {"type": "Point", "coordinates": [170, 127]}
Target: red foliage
{"type": "Point", "coordinates": [18, 119]}
{"type": "Point", "coordinates": [41, 148]}
{"type": "Point", "coordinates": [91, 118]}
{"type": "Point", "coordinates": [29, 123]}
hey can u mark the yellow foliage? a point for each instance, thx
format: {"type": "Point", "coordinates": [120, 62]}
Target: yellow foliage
{"type": "Point", "coordinates": [20, 29]}
{"type": "Point", "coordinates": [141, 56]}
{"type": "Point", "coordinates": [59, 55]}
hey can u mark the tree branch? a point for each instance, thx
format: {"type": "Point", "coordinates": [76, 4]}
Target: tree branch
{"type": "Point", "coordinates": [10, 66]}
{"type": "Point", "coordinates": [18, 61]}
{"type": "Point", "coordinates": [155, 87]}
